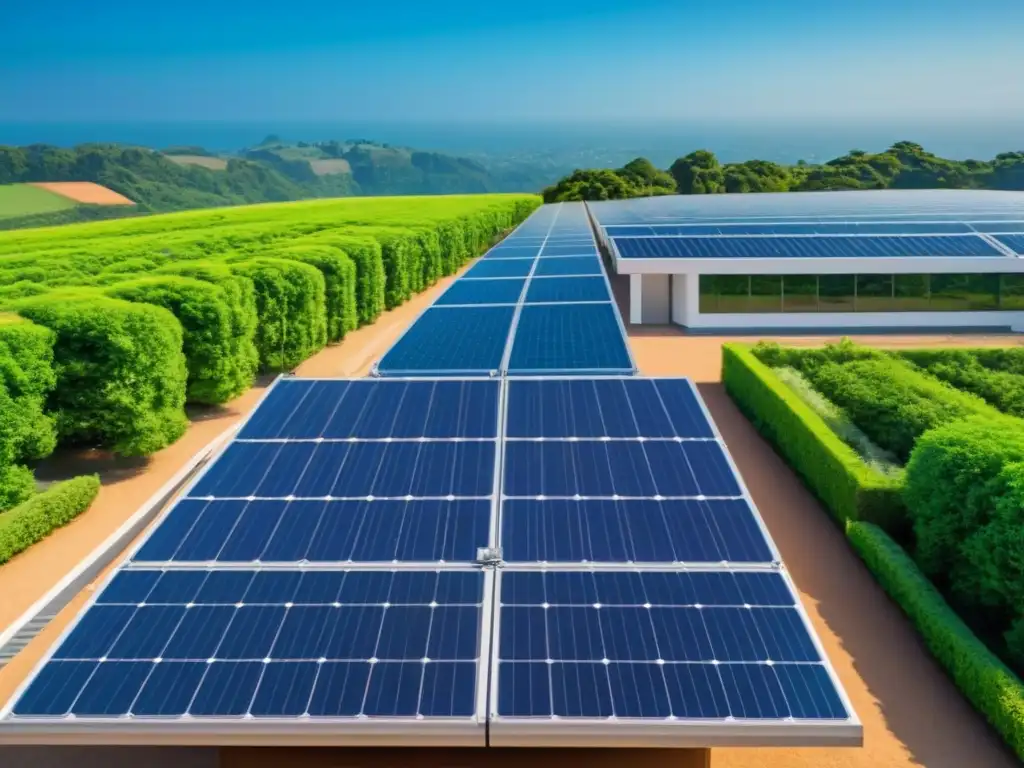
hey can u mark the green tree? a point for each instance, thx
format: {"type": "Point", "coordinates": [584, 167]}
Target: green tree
{"type": "Point", "coordinates": [698, 173]}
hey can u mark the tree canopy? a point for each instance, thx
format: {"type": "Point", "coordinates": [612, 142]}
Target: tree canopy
{"type": "Point", "coordinates": [905, 165]}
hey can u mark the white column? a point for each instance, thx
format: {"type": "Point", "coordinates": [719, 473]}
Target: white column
{"type": "Point", "coordinates": [636, 299]}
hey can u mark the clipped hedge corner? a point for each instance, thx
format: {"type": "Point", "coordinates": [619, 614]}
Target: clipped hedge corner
{"type": "Point", "coordinates": [36, 518]}
{"type": "Point", "coordinates": [987, 683]}
{"type": "Point", "coordinates": [833, 471]}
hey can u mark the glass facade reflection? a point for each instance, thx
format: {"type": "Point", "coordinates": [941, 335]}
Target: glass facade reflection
{"type": "Point", "coordinates": [861, 293]}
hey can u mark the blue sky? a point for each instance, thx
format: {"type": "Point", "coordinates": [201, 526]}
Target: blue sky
{"type": "Point", "coordinates": [526, 61]}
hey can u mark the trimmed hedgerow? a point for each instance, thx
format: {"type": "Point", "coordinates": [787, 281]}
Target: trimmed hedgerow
{"type": "Point", "coordinates": [986, 682]}
{"type": "Point", "coordinates": [339, 283]}
{"type": "Point", "coordinates": [1007, 359]}
{"type": "Point", "coordinates": [37, 518]}
{"type": "Point", "coordinates": [21, 289]}
{"type": "Point", "coordinates": [120, 370]}
{"type": "Point", "coordinates": [205, 317]}
{"type": "Point", "coordinates": [290, 298]}
{"type": "Point", "coordinates": [952, 484]}
{"type": "Point", "coordinates": [963, 369]}
{"type": "Point", "coordinates": [891, 401]}
{"type": "Point", "coordinates": [848, 487]}
{"type": "Point", "coordinates": [365, 253]}
{"type": "Point", "coordinates": [26, 379]}
{"type": "Point", "coordinates": [241, 298]}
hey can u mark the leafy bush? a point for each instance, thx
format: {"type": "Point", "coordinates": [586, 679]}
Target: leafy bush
{"type": "Point", "coordinates": [290, 303]}
{"type": "Point", "coordinates": [829, 467]}
{"type": "Point", "coordinates": [339, 280]}
{"type": "Point", "coordinates": [992, 688]}
{"type": "Point", "coordinates": [36, 518]}
{"type": "Point", "coordinates": [240, 294]}
{"type": "Point", "coordinates": [202, 309]}
{"type": "Point", "coordinates": [952, 484]}
{"type": "Point", "coordinates": [119, 367]}
{"type": "Point", "coordinates": [892, 402]}
{"type": "Point", "coordinates": [808, 359]}
{"type": "Point", "coordinates": [365, 253]}
{"type": "Point", "coordinates": [962, 369]}
{"type": "Point", "coordinates": [17, 483]}
{"type": "Point", "coordinates": [1007, 359]}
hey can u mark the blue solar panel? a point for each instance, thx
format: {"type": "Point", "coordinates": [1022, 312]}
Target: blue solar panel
{"type": "Point", "coordinates": [482, 292]}
{"type": "Point", "coordinates": [614, 407]}
{"type": "Point", "coordinates": [1014, 242]}
{"type": "Point", "coordinates": [568, 266]}
{"type": "Point", "coordinates": [557, 249]}
{"type": "Point", "coordinates": [513, 251]}
{"type": "Point", "coordinates": [451, 340]}
{"type": "Point", "coordinates": [350, 470]}
{"type": "Point", "coordinates": [802, 247]}
{"type": "Point", "coordinates": [340, 644]}
{"type": "Point", "coordinates": [1005, 227]}
{"type": "Point", "coordinates": [569, 337]}
{"type": "Point", "coordinates": [630, 468]}
{"type": "Point", "coordinates": [268, 531]}
{"type": "Point", "coordinates": [568, 289]}
{"type": "Point", "coordinates": [631, 531]}
{"type": "Point", "coordinates": [793, 228]}
{"type": "Point", "coordinates": [655, 645]}
{"type": "Point", "coordinates": [376, 408]}
{"type": "Point", "coordinates": [492, 268]}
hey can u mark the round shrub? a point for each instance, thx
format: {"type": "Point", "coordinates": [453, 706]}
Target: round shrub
{"type": "Point", "coordinates": [365, 253]}
{"type": "Point", "coordinates": [214, 376]}
{"type": "Point", "coordinates": [290, 300]}
{"type": "Point", "coordinates": [339, 282]}
{"type": "Point", "coordinates": [120, 370]}
{"type": "Point", "coordinates": [16, 485]}
{"type": "Point", "coordinates": [952, 483]}
{"type": "Point", "coordinates": [27, 378]}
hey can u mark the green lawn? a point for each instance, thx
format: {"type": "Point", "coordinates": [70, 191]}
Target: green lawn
{"type": "Point", "coordinates": [25, 200]}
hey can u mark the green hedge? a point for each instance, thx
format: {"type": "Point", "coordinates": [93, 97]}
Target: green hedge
{"type": "Point", "coordinates": [240, 294]}
{"type": "Point", "coordinates": [992, 688]}
{"type": "Point", "coordinates": [290, 303]}
{"type": "Point", "coordinates": [962, 368]}
{"type": "Point", "coordinates": [365, 253]}
{"type": "Point", "coordinates": [339, 284]}
{"type": "Point", "coordinates": [26, 380]}
{"type": "Point", "coordinates": [38, 517]}
{"type": "Point", "coordinates": [892, 402]}
{"type": "Point", "coordinates": [205, 317]}
{"type": "Point", "coordinates": [119, 367]}
{"type": "Point", "coordinates": [952, 484]}
{"type": "Point", "coordinates": [833, 471]}
{"type": "Point", "coordinates": [1007, 359]}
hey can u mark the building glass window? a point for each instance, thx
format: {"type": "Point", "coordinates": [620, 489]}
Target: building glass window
{"type": "Point", "coordinates": [874, 293]}
{"type": "Point", "coordinates": [743, 294]}
{"type": "Point", "coordinates": [836, 293]}
{"type": "Point", "coordinates": [800, 293]}
{"type": "Point", "coordinates": [910, 293]}
{"type": "Point", "coordinates": [765, 293]}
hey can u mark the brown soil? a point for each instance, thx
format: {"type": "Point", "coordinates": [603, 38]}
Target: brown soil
{"type": "Point", "coordinates": [85, 192]}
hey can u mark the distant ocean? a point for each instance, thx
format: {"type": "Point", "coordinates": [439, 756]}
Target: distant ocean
{"type": "Point", "coordinates": [660, 142]}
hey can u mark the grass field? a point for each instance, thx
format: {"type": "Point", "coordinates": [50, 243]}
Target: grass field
{"type": "Point", "coordinates": [328, 167]}
{"type": "Point", "coordinates": [26, 200]}
{"type": "Point", "coordinates": [213, 163]}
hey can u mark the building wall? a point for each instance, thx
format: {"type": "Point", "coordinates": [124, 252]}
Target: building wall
{"type": "Point", "coordinates": [680, 301]}
{"type": "Point", "coordinates": [655, 295]}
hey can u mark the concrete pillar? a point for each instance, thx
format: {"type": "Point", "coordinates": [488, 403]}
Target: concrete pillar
{"type": "Point", "coordinates": [636, 299]}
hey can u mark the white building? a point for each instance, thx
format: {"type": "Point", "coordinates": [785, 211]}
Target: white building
{"type": "Point", "coordinates": [928, 259]}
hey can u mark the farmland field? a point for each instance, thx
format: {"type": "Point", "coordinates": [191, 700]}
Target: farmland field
{"type": "Point", "coordinates": [27, 200]}
{"type": "Point", "coordinates": [204, 161]}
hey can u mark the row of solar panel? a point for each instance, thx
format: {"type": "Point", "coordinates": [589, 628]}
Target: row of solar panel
{"type": "Point", "coordinates": [529, 306]}
{"type": "Point", "coordinates": [352, 644]}
{"type": "Point", "coordinates": [835, 247]}
{"type": "Point", "coordinates": [818, 228]}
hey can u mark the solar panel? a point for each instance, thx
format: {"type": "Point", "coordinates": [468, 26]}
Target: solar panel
{"type": "Point", "coordinates": [467, 292]}
{"type": "Point", "coordinates": [1014, 242]}
{"type": "Point", "coordinates": [554, 249]}
{"type": "Point", "coordinates": [490, 268]}
{"type": "Point", "coordinates": [341, 645]}
{"type": "Point", "coordinates": [583, 338]}
{"type": "Point", "coordinates": [507, 250]}
{"type": "Point", "coordinates": [803, 247]}
{"type": "Point", "coordinates": [669, 657]}
{"type": "Point", "coordinates": [794, 228]}
{"type": "Point", "coordinates": [473, 342]}
{"type": "Point", "coordinates": [998, 227]}
{"type": "Point", "coordinates": [568, 266]}
{"type": "Point", "coordinates": [567, 290]}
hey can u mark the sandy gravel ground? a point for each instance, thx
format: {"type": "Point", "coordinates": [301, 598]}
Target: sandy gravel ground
{"type": "Point", "coordinates": [912, 714]}
{"type": "Point", "coordinates": [85, 192]}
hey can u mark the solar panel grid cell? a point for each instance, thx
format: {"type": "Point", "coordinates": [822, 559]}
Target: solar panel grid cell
{"type": "Point", "coordinates": [474, 341]}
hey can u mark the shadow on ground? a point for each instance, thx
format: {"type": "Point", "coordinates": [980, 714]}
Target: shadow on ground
{"type": "Point", "coordinates": [914, 697]}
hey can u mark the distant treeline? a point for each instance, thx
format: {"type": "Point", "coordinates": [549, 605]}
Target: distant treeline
{"type": "Point", "coordinates": [905, 165]}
